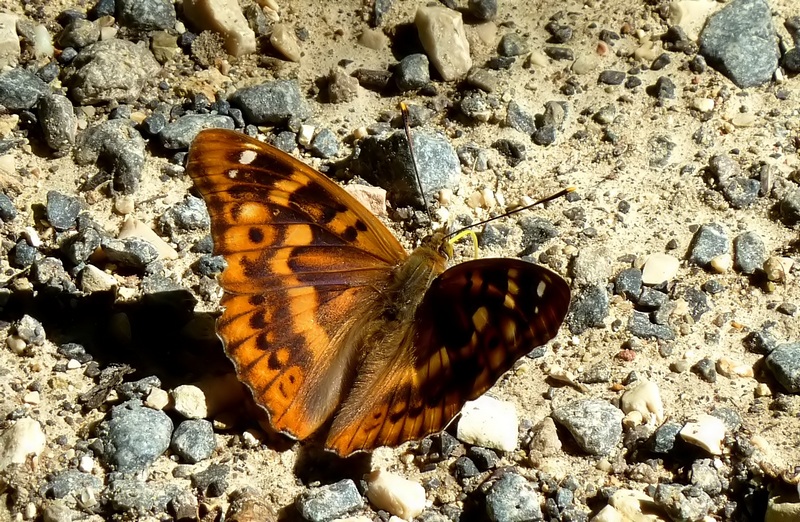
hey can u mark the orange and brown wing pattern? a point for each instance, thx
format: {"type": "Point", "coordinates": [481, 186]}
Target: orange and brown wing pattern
{"type": "Point", "coordinates": [475, 321]}
{"type": "Point", "coordinates": [305, 263]}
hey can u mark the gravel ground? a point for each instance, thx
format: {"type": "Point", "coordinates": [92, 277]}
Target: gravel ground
{"type": "Point", "coordinates": [671, 391]}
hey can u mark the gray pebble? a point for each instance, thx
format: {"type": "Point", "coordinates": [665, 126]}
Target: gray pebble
{"type": "Point", "coordinates": [664, 89]}
{"type": "Point", "coordinates": [329, 502]}
{"type": "Point", "coordinates": [605, 115]}
{"type": "Point", "coordinates": [484, 458]}
{"type": "Point", "coordinates": [683, 503]}
{"type": "Point", "coordinates": [7, 209]}
{"type": "Point", "coordinates": [628, 283]}
{"type": "Point", "coordinates": [784, 363]}
{"type": "Point", "coordinates": [611, 77]}
{"type": "Point", "coordinates": [138, 389]}
{"type": "Point", "coordinates": [513, 499]}
{"type": "Point", "coordinates": [135, 496]}
{"type": "Point", "coordinates": [154, 124]}
{"type": "Point", "coordinates": [117, 144]}
{"type": "Point", "coordinates": [386, 162]}
{"type": "Point", "coordinates": [559, 33]}
{"type": "Point", "coordinates": [519, 119]}
{"type": "Point", "coordinates": [21, 89]}
{"type": "Point", "coordinates": [180, 133]}
{"type": "Point", "coordinates": [662, 61]}
{"type": "Point", "coordinates": [483, 10]}
{"type": "Point", "coordinates": [708, 242]}
{"type": "Point", "coordinates": [704, 476]}
{"type": "Point", "coordinates": [286, 141]}
{"type": "Point", "coordinates": [71, 481]}
{"type": "Point", "coordinates": [49, 272]}
{"type": "Point", "coordinates": [186, 215]}
{"type": "Point", "coordinates": [741, 192]}
{"type": "Point", "coordinates": [271, 102]}
{"type": "Point", "coordinates": [132, 252]}
{"type": "Point", "coordinates": [555, 114]}
{"type": "Point", "coordinates": [512, 44]}
{"type": "Point", "coordinates": [729, 416]}
{"type": "Point", "coordinates": [325, 144]}
{"type": "Point", "coordinates": [379, 10]}
{"type": "Point", "coordinates": [697, 301]}
{"type": "Point", "coordinates": [210, 266]}
{"type": "Point", "coordinates": [30, 330]}
{"type": "Point", "coordinates": [464, 468]}
{"type": "Point", "coordinates": [62, 210]}
{"type": "Point", "coordinates": [512, 150]}
{"type": "Point", "coordinates": [193, 440]}
{"type": "Point", "coordinates": [790, 207]}
{"type": "Point", "coordinates": [135, 436]}
{"type": "Point", "coordinates": [473, 157]}
{"type": "Point", "coordinates": [594, 424]}
{"type": "Point", "coordinates": [544, 135]}
{"type": "Point", "coordinates": [58, 121]}
{"type": "Point", "coordinates": [82, 245]}
{"type": "Point", "coordinates": [74, 351]}
{"type": "Point", "coordinates": [342, 88]}
{"type": "Point", "coordinates": [22, 255]}
{"type": "Point", "coordinates": [559, 53]}
{"type": "Point", "coordinates": [111, 70]}
{"type": "Point", "coordinates": [749, 252]}
{"type": "Point", "coordinates": [536, 231]}
{"type": "Point", "coordinates": [146, 15]}
{"type": "Point", "coordinates": [413, 72]}
{"type": "Point", "coordinates": [739, 40]}
{"type": "Point", "coordinates": [79, 33]}
{"type": "Point", "coordinates": [213, 481]}
{"type": "Point", "coordinates": [641, 326]}
{"type": "Point", "coordinates": [588, 309]}
{"type": "Point", "coordinates": [706, 370]}
{"type": "Point", "coordinates": [665, 437]}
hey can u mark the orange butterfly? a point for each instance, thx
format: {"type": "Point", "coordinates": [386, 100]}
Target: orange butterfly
{"type": "Point", "coordinates": [331, 324]}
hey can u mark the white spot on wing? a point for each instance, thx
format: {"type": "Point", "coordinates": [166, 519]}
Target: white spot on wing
{"type": "Point", "coordinates": [247, 157]}
{"type": "Point", "coordinates": [540, 289]}
{"type": "Point", "coordinates": [232, 173]}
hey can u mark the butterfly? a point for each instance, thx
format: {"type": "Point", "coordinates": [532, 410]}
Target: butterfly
{"type": "Point", "coordinates": [333, 326]}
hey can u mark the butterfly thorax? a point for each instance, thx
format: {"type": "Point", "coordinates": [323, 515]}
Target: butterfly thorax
{"type": "Point", "coordinates": [411, 279]}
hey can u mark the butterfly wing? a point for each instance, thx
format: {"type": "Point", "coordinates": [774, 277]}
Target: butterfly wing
{"type": "Point", "coordinates": [305, 261]}
{"type": "Point", "coordinates": [476, 319]}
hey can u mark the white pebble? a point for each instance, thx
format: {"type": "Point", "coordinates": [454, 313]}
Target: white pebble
{"type": "Point", "coordinates": [706, 432]}
{"type": "Point", "coordinates": [395, 494]}
{"type": "Point", "coordinates": [374, 198]}
{"type": "Point", "coordinates": [441, 31]}
{"type": "Point", "coordinates": [95, 280]}
{"type": "Point", "coordinates": [73, 364]}
{"type": "Point", "coordinates": [284, 41]}
{"type": "Point", "coordinates": [190, 401]}
{"type": "Point", "coordinates": [659, 268]}
{"type": "Point", "coordinates": [776, 268]}
{"type": "Point", "coordinates": [32, 237]}
{"type": "Point", "coordinates": [32, 397]}
{"type": "Point", "coordinates": [644, 398]}
{"type": "Point", "coordinates": [86, 464]}
{"type": "Point", "coordinates": [721, 263]}
{"type": "Point", "coordinates": [19, 441]}
{"type": "Point", "coordinates": [703, 104]}
{"type": "Point", "coordinates": [490, 423]}
{"type": "Point", "coordinates": [132, 227]}
{"type": "Point", "coordinates": [16, 345]}
{"type": "Point", "coordinates": [42, 43]}
{"type": "Point", "coordinates": [305, 135]}
{"type": "Point", "coordinates": [250, 438]}
{"type": "Point", "coordinates": [157, 399]}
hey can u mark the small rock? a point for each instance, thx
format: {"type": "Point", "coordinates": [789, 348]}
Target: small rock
{"type": "Point", "coordinates": [189, 214]}
{"type": "Point", "coordinates": [683, 503]}
{"type": "Point", "coordinates": [118, 145]}
{"type": "Point", "coordinates": [465, 468]}
{"type": "Point", "coordinates": [193, 440]}
{"type": "Point", "coordinates": [483, 10]}
{"type": "Point", "coordinates": [190, 401]}
{"type": "Point", "coordinates": [79, 33]}
{"type": "Point", "coordinates": [544, 439]}
{"type": "Point", "coordinates": [342, 87]}
{"type": "Point", "coordinates": [58, 121]}
{"type": "Point", "coordinates": [628, 283]}
{"type": "Point", "coordinates": [641, 326]}
{"type": "Point", "coordinates": [182, 132]}
{"type": "Point", "coordinates": [707, 432]}
{"type": "Point", "coordinates": [325, 144]}
{"type": "Point", "coordinates": [490, 423]}
{"type": "Point", "coordinates": [441, 32]}
{"type": "Point", "coordinates": [412, 72]}
{"type": "Point", "coordinates": [517, 118]}
{"type": "Point", "coordinates": [7, 210]}
{"type": "Point", "coordinates": [645, 398]}
{"type": "Point", "coordinates": [285, 42]}
{"type": "Point", "coordinates": [62, 210]}
{"type": "Point", "coordinates": [709, 241]}
{"type": "Point", "coordinates": [784, 364]}
{"type": "Point", "coordinates": [213, 481]}
{"type": "Point", "coordinates": [512, 498]}
{"type": "Point", "coordinates": [790, 207]}
{"type": "Point", "coordinates": [393, 493]}
{"type": "Point", "coordinates": [594, 424]}
{"type": "Point", "coordinates": [21, 89]}
{"type": "Point", "coordinates": [484, 458]}
{"type": "Point", "coordinates": [329, 502]}
{"type": "Point", "coordinates": [611, 77]}
{"type": "Point", "coordinates": [589, 309]}
{"type": "Point", "coordinates": [30, 330]}
{"type": "Point", "coordinates": [132, 252]}
{"type": "Point", "coordinates": [92, 279]}
{"type": "Point", "coordinates": [664, 438]}
{"type": "Point", "coordinates": [749, 252]}
{"type": "Point", "coordinates": [271, 102]}
{"type": "Point", "coordinates": [146, 15]}
{"type": "Point", "coordinates": [659, 268]}
{"type": "Point", "coordinates": [704, 476]}
{"type": "Point", "coordinates": [226, 18]}
{"type": "Point", "coordinates": [512, 44]}
{"type": "Point", "coordinates": [24, 439]}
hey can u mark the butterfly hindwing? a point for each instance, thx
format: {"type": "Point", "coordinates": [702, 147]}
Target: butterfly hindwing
{"type": "Point", "coordinates": [305, 263]}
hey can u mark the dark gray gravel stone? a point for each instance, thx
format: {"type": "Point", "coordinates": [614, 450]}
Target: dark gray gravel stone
{"type": "Point", "coordinates": [594, 424]}
{"type": "Point", "coordinates": [286, 141]}
{"type": "Point", "coordinates": [589, 308]}
{"type": "Point", "coordinates": [74, 351]}
{"type": "Point", "coordinates": [213, 481]}
{"type": "Point", "coordinates": [146, 15]}
{"type": "Point", "coordinates": [629, 283]}
{"type": "Point", "coordinates": [22, 255]}
{"type": "Point", "coordinates": [784, 363]}
{"type": "Point", "coordinates": [652, 299]}
{"type": "Point", "coordinates": [641, 326]}
{"type": "Point", "coordinates": [790, 207]}
{"type": "Point", "coordinates": [761, 341]}
{"type": "Point", "coordinates": [513, 151]}
{"type": "Point", "coordinates": [665, 437]}
{"type": "Point", "coordinates": [58, 121]}
{"type": "Point", "coordinates": [111, 70]}
{"type": "Point", "coordinates": [7, 209]}
{"type": "Point", "coordinates": [683, 503]}
{"type": "Point", "coordinates": [741, 192]}
{"type": "Point", "coordinates": [62, 210]}
{"type": "Point", "coordinates": [49, 272]}
{"type": "Point", "coordinates": [484, 458]}
{"type": "Point", "coordinates": [473, 157]}
{"type": "Point", "coordinates": [611, 77]}
{"type": "Point", "coordinates": [705, 476]}
{"type": "Point", "coordinates": [559, 53]}
{"type": "Point", "coordinates": [193, 440]}
{"type": "Point", "coordinates": [386, 162]}
{"type": "Point", "coordinates": [189, 214]}
{"type": "Point", "coordinates": [138, 389]}
{"type": "Point", "coordinates": [30, 330]}
{"type": "Point", "coordinates": [513, 499]}
{"type": "Point", "coordinates": [118, 146]}
{"type": "Point", "coordinates": [512, 44]}
{"type": "Point", "coordinates": [465, 468]}
{"type": "Point", "coordinates": [664, 89]}
{"type": "Point", "coordinates": [271, 102]}
{"type": "Point", "coordinates": [749, 252]}
{"type": "Point", "coordinates": [325, 144]}
{"type": "Point", "coordinates": [180, 133]}
{"type": "Point", "coordinates": [135, 436]}
{"type": "Point", "coordinates": [708, 242]}
{"type": "Point", "coordinates": [413, 72]}
{"type": "Point", "coordinates": [519, 119]}
{"type": "Point", "coordinates": [329, 502]}
{"type": "Point", "coordinates": [740, 41]}
{"type": "Point", "coordinates": [82, 245]}
{"type": "Point", "coordinates": [21, 89]}
{"type": "Point", "coordinates": [483, 10]}
{"type": "Point", "coordinates": [544, 136]}
{"type": "Point", "coordinates": [210, 266]}
{"type": "Point", "coordinates": [132, 252]}
{"type": "Point", "coordinates": [697, 301]}
{"type": "Point", "coordinates": [536, 231]}
{"type": "Point", "coordinates": [154, 124]}
{"type": "Point", "coordinates": [79, 33]}
{"type": "Point", "coordinates": [137, 496]}
{"type": "Point", "coordinates": [559, 33]}
{"type": "Point", "coordinates": [705, 369]}
{"type": "Point", "coordinates": [69, 481]}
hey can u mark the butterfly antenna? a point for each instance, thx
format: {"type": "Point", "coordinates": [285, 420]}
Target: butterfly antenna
{"type": "Point", "coordinates": [557, 195]}
{"type": "Point", "coordinates": [407, 128]}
